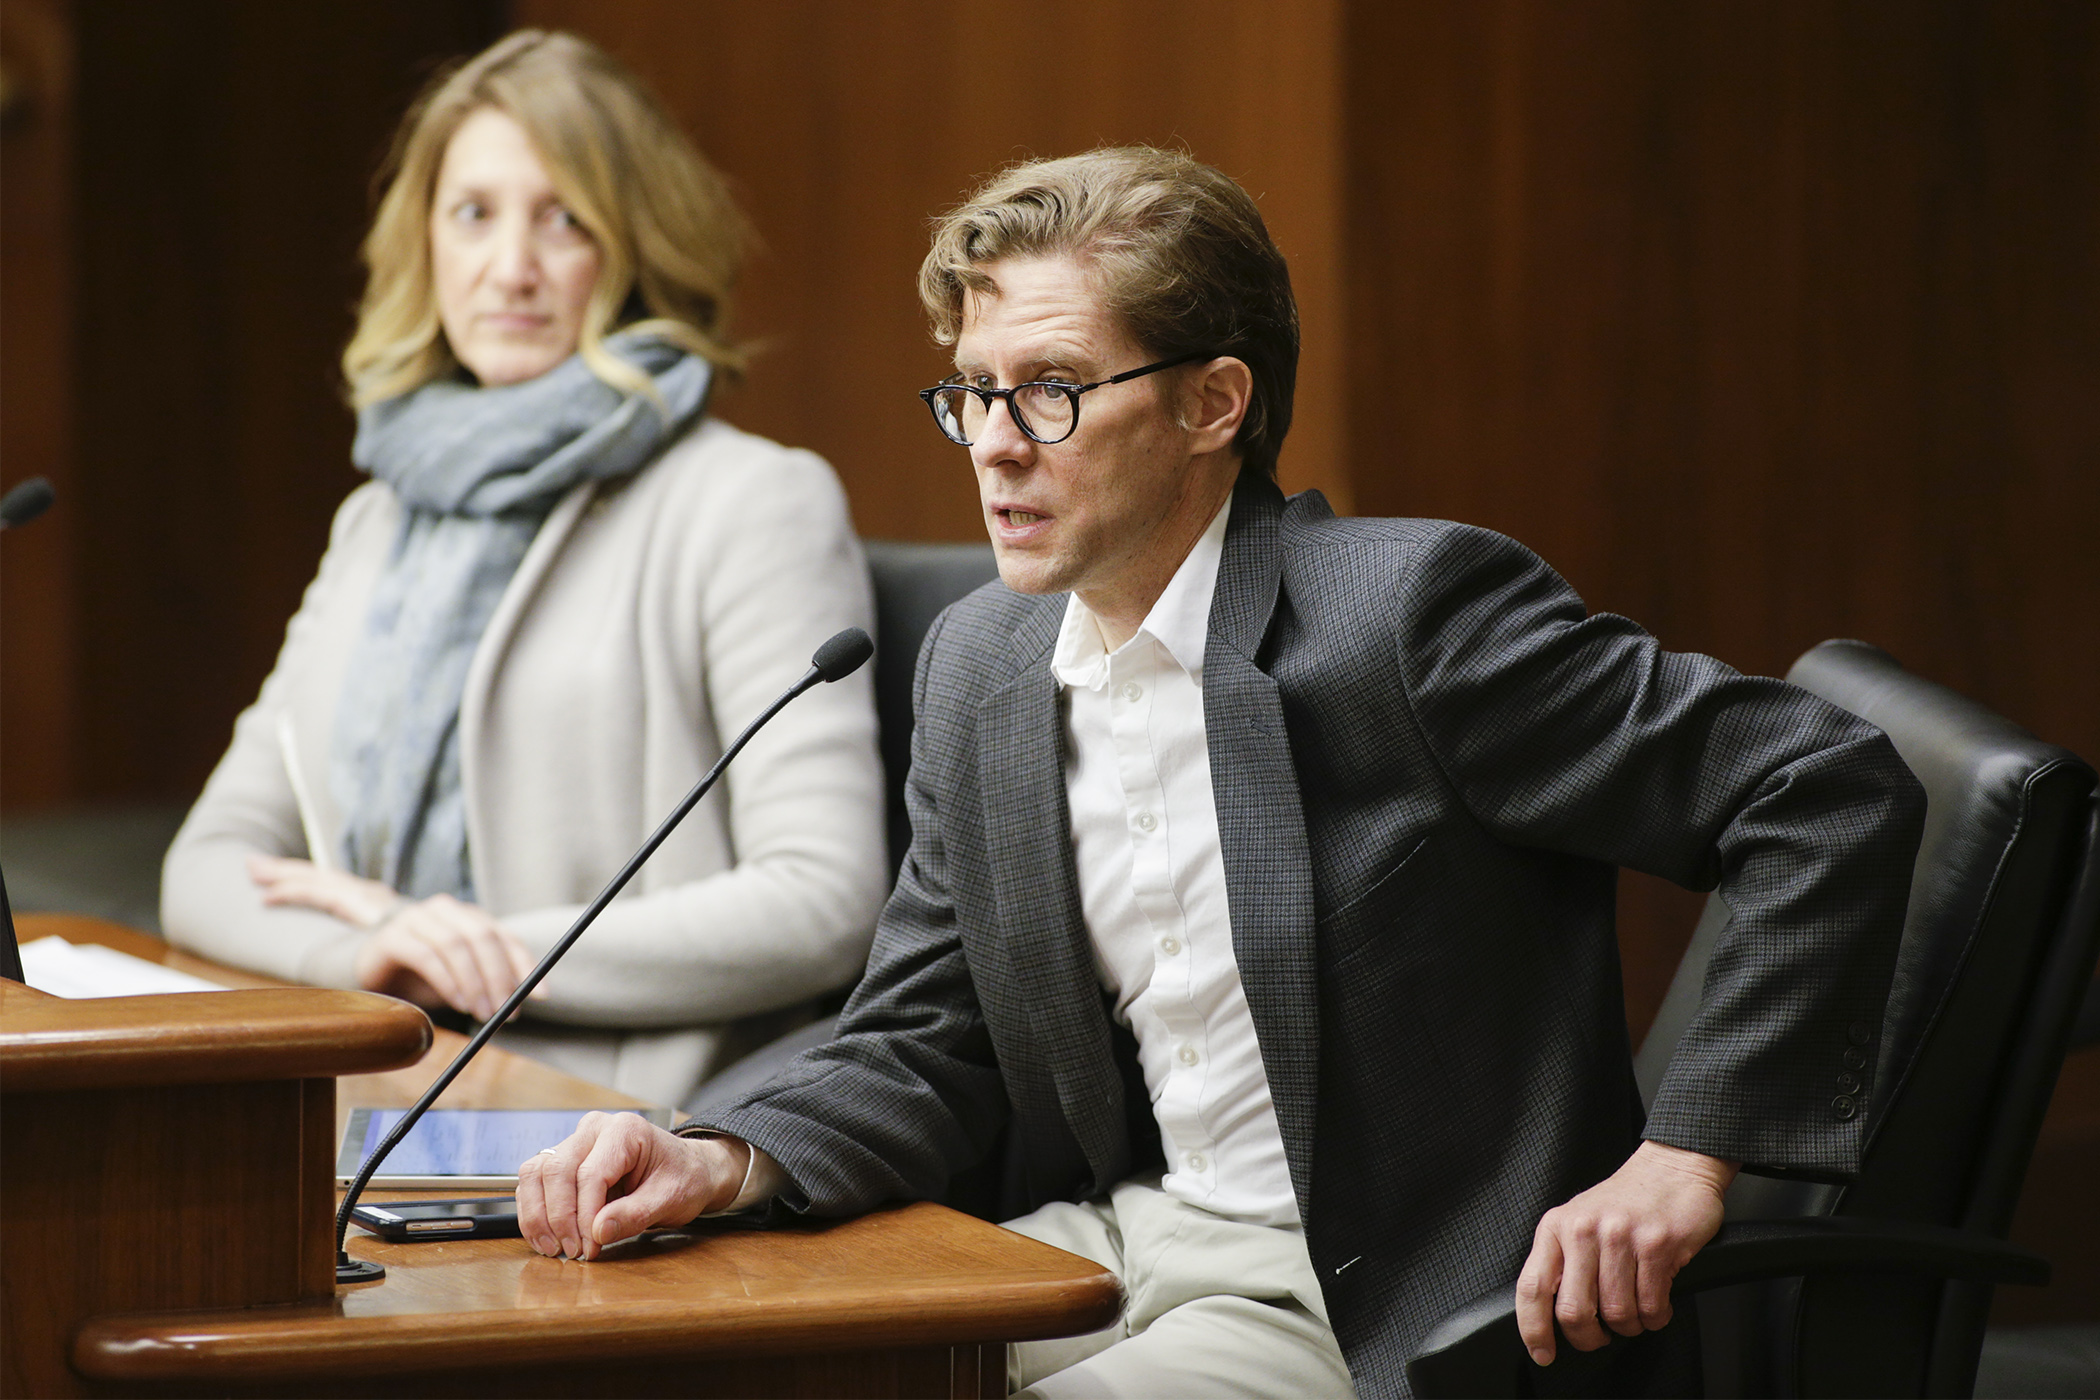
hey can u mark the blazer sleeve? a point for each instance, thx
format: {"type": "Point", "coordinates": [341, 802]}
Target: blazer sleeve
{"type": "Point", "coordinates": [909, 1091]}
{"type": "Point", "coordinates": [778, 569]}
{"type": "Point", "coordinates": [1578, 733]}
{"type": "Point", "coordinates": [248, 807]}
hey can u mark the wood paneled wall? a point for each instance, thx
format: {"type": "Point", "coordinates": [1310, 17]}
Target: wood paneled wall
{"type": "Point", "coordinates": [217, 155]}
{"type": "Point", "coordinates": [1765, 323]}
{"type": "Point", "coordinates": [37, 609]}
{"type": "Point", "coordinates": [846, 126]}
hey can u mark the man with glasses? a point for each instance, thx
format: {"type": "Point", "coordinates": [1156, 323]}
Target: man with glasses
{"type": "Point", "coordinates": [1256, 935]}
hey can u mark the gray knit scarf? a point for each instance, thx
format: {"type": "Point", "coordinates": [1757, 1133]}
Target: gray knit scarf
{"type": "Point", "coordinates": [477, 472]}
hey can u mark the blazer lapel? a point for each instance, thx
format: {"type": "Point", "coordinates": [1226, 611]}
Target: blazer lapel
{"type": "Point", "coordinates": [1028, 841]}
{"type": "Point", "coordinates": [1261, 824]}
{"type": "Point", "coordinates": [502, 628]}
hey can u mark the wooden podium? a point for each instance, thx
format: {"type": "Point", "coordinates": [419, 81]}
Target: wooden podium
{"type": "Point", "coordinates": [171, 1152]}
{"type": "Point", "coordinates": [167, 1207]}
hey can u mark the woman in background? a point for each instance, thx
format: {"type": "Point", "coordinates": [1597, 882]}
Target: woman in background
{"type": "Point", "coordinates": [533, 628]}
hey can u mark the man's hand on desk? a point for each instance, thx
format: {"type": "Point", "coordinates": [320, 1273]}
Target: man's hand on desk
{"type": "Point", "coordinates": [1613, 1251]}
{"type": "Point", "coordinates": [434, 952]}
{"type": "Point", "coordinates": [617, 1176]}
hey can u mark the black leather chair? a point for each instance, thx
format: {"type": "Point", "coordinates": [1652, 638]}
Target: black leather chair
{"type": "Point", "coordinates": [913, 582]}
{"type": "Point", "coordinates": [2087, 1031]}
{"type": "Point", "coordinates": [1880, 1286]}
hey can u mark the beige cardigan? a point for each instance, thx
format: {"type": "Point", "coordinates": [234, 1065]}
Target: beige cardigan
{"type": "Point", "coordinates": [650, 620]}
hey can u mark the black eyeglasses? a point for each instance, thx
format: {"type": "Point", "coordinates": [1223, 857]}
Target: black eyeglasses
{"type": "Point", "coordinates": [1047, 412]}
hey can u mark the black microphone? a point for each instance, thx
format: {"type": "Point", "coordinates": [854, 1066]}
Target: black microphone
{"type": "Point", "coordinates": [26, 502]}
{"type": "Point", "coordinates": [835, 660]}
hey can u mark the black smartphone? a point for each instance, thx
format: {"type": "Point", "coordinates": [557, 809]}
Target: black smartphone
{"type": "Point", "coordinates": [472, 1218]}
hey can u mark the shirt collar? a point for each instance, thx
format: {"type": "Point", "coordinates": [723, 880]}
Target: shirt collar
{"type": "Point", "coordinates": [1179, 620]}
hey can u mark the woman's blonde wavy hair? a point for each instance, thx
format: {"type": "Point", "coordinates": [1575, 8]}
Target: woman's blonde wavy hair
{"type": "Point", "coordinates": [671, 240]}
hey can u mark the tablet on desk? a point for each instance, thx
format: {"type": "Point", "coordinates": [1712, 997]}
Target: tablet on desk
{"type": "Point", "coordinates": [474, 1147]}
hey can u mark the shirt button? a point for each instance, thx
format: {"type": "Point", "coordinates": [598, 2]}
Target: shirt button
{"type": "Point", "coordinates": [1848, 1082]}
{"type": "Point", "coordinates": [1198, 1162]}
{"type": "Point", "coordinates": [1146, 821]}
{"type": "Point", "coordinates": [1170, 945]}
{"type": "Point", "coordinates": [1859, 1032]}
{"type": "Point", "coordinates": [1131, 690]}
{"type": "Point", "coordinates": [1855, 1058]}
{"type": "Point", "coordinates": [1186, 1054]}
{"type": "Point", "coordinates": [1844, 1108]}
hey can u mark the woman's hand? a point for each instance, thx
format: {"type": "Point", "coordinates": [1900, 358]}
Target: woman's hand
{"type": "Point", "coordinates": [439, 951]}
{"type": "Point", "coordinates": [448, 948]}
{"type": "Point", "coordinates": [351, 898]}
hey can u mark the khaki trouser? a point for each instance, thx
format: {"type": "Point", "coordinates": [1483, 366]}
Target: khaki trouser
{"type": "Point", "coordinates": [1215, 1307]}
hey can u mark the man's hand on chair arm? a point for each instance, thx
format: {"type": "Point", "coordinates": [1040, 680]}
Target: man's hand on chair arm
{"type": "Point", "coordinates": [1607, 1257]}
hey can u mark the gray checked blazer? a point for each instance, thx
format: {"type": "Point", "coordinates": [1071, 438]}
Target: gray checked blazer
{"type": "Point", "coordinates": [1427, 759]}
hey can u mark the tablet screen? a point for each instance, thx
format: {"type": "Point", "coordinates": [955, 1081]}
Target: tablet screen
{"type": "Point", "coordinates": [452, 1145]}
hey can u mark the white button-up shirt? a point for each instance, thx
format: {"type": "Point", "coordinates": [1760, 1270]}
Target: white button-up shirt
{"type": "Point", "coordinates": [1152, 888]}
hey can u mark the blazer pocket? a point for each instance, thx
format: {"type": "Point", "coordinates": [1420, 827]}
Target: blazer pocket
{"type": "Point", "coordinates": [1356, 927]}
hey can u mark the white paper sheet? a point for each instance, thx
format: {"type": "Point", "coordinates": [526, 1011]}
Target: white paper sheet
{"type": "Point", "coordinates": [90, 970]}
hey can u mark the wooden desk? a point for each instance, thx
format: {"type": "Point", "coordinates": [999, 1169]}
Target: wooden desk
{"type": "Point", "coordinates": [917, 1300]}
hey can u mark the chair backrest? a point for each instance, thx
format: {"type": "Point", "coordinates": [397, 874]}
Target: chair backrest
{"type": "Point", "coordinates": [913, 582]}
{"type": "Point", "coordinates": [1998, 949]}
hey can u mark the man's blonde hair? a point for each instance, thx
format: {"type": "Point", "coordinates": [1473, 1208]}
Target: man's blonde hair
{"type": "Point", "coordinates": [1179, 249]}
{"type": "Point", "coordinates": [670, 238]}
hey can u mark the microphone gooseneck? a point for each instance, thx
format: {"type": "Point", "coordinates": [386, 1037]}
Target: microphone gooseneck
{"type": "Point", "coordinates": [33, 497]}
{"type": "Point", "coordinates": [835, 660]}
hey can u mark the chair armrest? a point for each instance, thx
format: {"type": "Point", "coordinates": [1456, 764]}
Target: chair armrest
{"type": "Point", "coordinates": [1478, 1351]}
{"type": "Point", "coordinates": [1749, 1250]}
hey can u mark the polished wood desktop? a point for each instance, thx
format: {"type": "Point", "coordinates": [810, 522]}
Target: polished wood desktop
{"type": "Point", "coordinates": [916, 1300]}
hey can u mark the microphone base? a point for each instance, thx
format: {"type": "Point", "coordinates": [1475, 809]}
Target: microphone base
{"type": "Point", "coordinates": [348, 1270]}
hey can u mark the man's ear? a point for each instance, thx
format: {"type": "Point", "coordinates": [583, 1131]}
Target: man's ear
{"type": "Point", "coordinates": [1219, 395]}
